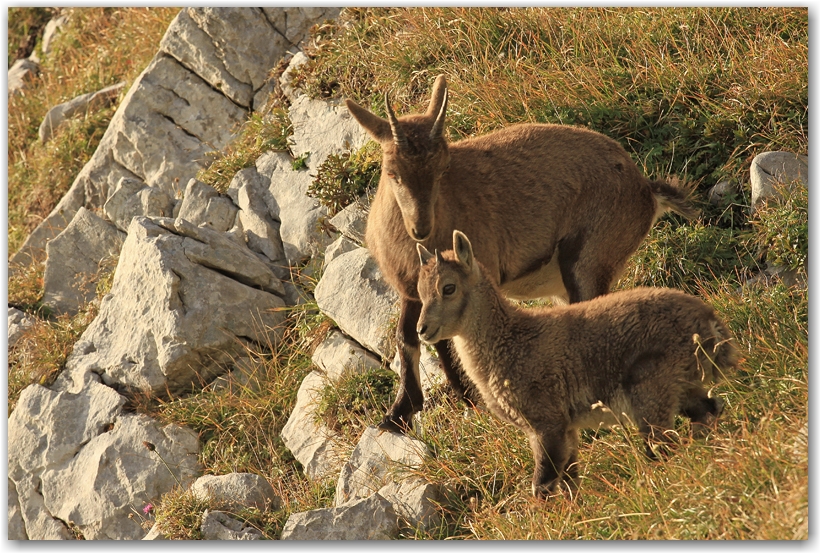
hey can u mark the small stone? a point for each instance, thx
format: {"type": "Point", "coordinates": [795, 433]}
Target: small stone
{"type": "Point", "coordinates": [217, 525]}
{"type": "Point", "coordinates": [237, 490]}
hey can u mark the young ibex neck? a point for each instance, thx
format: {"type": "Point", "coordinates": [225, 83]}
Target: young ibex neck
{"type": "Point", "coordinates": [488, 318]}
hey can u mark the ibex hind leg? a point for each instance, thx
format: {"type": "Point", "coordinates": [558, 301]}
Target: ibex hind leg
{"type": "Point", "coordinates": [410, 398]}
{"type": "Point", "coordinates": [583, 275]}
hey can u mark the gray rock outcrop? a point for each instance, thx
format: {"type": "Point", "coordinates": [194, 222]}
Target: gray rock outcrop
{"type": "Point", "coordinates": [202, 205]}
{"type": "Point", "coordinates": [180, 298]}
{"type": "Point", "coordinates": [352, 220]}
{"type": "Point", "coordinates": [73, 261]}
{"type": "Point", "coordinates": [131, 198]}
{"type": "Point", "coordinates": [371, 518]}
{"type": "Point", "coordinates": [300, 214]}
{"type": "Point", "coordinates": [254, 222]}
{"type": "Point", "coordinates": [312, 442]}
{"type": "Point", "coordinates": [177, 111]}
{"type": "Point", "coordinates": [321, 128]}
{"type": "Point", "coordinates": [58, 440]}
{"type": "Point", "coordinates": [336, 248]}
{"type": "Point", "coordinates": [376, 459]}
{"type": "Point", "coordinates": [354, 294]}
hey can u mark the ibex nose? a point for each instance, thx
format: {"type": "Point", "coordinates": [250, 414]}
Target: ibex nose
{"type": "Point", "coordinates": [421, 329]}
{"type": "Point", "coordinates": [418, 236]}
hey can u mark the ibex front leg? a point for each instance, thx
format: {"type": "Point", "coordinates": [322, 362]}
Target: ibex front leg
{"type": "Point", "coordinates": [410, 399]}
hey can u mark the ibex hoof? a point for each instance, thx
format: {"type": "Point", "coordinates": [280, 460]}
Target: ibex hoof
{"type": "Point", "coordinates": [392, 423]}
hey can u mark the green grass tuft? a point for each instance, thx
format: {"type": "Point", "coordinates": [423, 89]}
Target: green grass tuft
{"type": "Point", "coordinates": [342, 178]}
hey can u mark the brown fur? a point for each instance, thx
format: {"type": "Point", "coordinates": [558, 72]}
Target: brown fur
{"type": "Point", "coordinates": [643, 355]}
{"type": "Point", "coordinates": [552, 210]}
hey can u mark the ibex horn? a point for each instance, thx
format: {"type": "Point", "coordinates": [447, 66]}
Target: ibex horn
{"type": "Point", "coordinates": [398, 135]}
{"type": "Point", "coordinates": [439, 259]}
{"type": "Point", "coordinates": [438, 126]}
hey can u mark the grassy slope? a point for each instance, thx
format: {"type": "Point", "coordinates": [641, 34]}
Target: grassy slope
{"type": "Point", "coordinates": [694, 92]}
{"type": "Point", "coordinates": [689, 92]}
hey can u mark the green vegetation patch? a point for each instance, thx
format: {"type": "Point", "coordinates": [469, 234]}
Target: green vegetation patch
{"type": "Point", "coordinates": [343, 178]}
{"type": "Point", "coordinates": [781, 227]}
{"type": "Point", "coordinates": [356, 400]}
{"type": "Point", "coordinates": [262, 132]}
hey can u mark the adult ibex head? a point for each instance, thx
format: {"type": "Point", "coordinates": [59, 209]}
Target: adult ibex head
{"type": "Point", "coordinates": [415, 156]}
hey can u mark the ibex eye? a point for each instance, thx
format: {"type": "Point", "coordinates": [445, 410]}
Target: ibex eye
{"type": "Point", "coordinates": [449, 289]}
{"type": "Point", "coordinates": [391, 174]}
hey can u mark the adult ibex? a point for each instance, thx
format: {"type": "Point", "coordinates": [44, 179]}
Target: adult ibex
{"type": "Point", "coordinates": [552, 210]}
{"type": "Point", "coordinates": [642, 355]}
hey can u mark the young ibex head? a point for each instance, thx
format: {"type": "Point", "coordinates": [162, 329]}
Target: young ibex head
{"type": "Point", "coordinates": [445, 282]}
{"type": "Point", "coordinates": [415, 156]}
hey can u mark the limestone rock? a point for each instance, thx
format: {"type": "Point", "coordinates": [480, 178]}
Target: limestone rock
{"type": "Point", "coordinates": [312, 443]}
{"type": "Point", "coordinates": [125, 474]}
{"type": "Point", "coordinates": [16, 527]}
{"type": "Point", "coordinates": [59, 114]}
{"type": "Point", "coordinates": [353, 293]}
{"type": "Point", "coordinates": [377, 457]}
{"type": "Point", "coordinates": [260, 231]}
{"type": "Point", "coordinates": [216, 251]}
{"type": "Point", "coordinates": [20, 72]}
{"type": "Point", "coordinates": [770, 168]}
{"type": "Point", "coordinates": [372, 518]}
{"type": "Point", "coordinates": [290, 91]}
{"type": "Point", "coordinates": [352, 220]}
{"type": "Point", "coordinates": [171, 118]}
{"type": "Point", "coordinates": [180, 299]}
{"type": "Point", "coordinates": [237, 490]}
{"type": "Point", "coordinates": [170, 102]}
{"type": "Point", "coordinates": [337, 353]}
{"type": "Point", "coordinates": [38, 521]}
{"type": "Point", "coordinates": [50, 32]}
{"type": "Point", "coordinates": [231, 48]}
{"type": "Point", "coordinates": [132, 198]}
{"type": "Point", "coordinates": [48, 428]}
{"type": "Point", "coordinates": [294, 23]}
{"type": "Point", "coordinates": [322, 128]}
{"type": "Point", "coordinates": [300, 214]}
{"type": "Point", "coordinates": [19, 322]}
{"type": "Point", "coordinates": [336, 248]}
{"type": "Point", "coordinates": [77, 457]}
{"type": "Point", "coordinates": [203, 205]}
{"type": "Point", "coordinates": [74, 258]}
{"type": "Point", "coordinates": [217, 525]}
{"type": "Point", "coordinates": [414, 500]}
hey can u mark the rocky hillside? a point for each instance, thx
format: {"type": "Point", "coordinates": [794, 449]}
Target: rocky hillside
{"type": "Point", "coordinates": [212, 286]}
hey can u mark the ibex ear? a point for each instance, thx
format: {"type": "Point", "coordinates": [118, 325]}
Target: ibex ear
{"type": "Point", "coordinates": [375, 126]}
{"type": "Point", "coordinates": [463, 249]}
{"type": "Point", "coordinates": [424, 254]}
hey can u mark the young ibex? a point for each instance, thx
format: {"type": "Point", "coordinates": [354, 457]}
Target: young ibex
{"type": "Point", "coordinates": [553, 211]}
{"type": "Point", "coordinates": [644, 355]}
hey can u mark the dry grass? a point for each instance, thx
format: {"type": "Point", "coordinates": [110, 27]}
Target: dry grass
{"type": "Point", "coordinates": [695, 92]}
